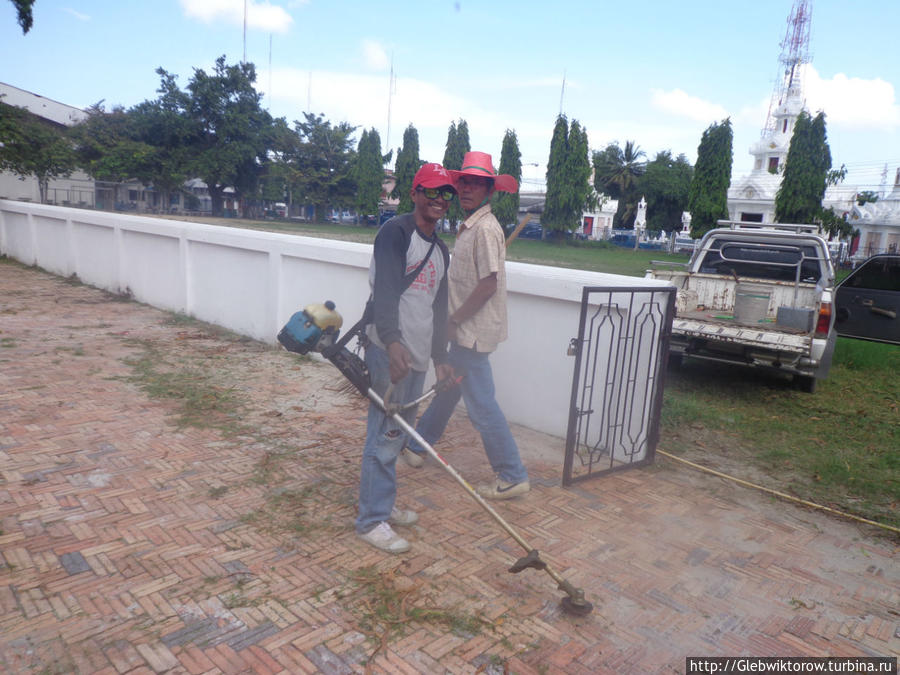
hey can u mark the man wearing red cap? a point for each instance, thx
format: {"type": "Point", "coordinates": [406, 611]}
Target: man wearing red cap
{"type": "Point", "coordinates": [408, 277]}
{"type": "Point", "coordinates": [477, 281]}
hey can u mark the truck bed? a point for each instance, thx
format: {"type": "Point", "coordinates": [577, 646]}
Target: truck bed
{"type": "Point", "coordinates": [714, 294]}
{"type": "Point", "coordinates": [705, 325]}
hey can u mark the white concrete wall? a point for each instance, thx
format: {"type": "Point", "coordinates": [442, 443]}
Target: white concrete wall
{"type": "Point", "coordinates": [251, 282]}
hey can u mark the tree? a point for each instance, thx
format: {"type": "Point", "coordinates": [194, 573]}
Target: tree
{"type": "Point", "coordinates": [368, 173]}
{"type": "Point", "coordinates": [109, 148]}
{"type": "Point", "coordinates": [617, 173]}
{"type": "Point", "coordinates": [169, 135]}
{"type": "Point", "coordinates": [553, 218]}
{"type": "Point", "coordinates": [33, 146]}
{"type": "Point", "coordinates": [105, 144]}
{"type": "Point", "coordinates": [457, 147]}
{"type": "Point", "coordinates": [324, 162]}
{"type": "Point", "coordinates": [806, 172]}
{"type": "Point", "coordinates": [505, 205]}
{"type": "Point", "coordinates": [283, 177]}
{"type": "Point", "coordinates": [835, 226]}
{"type": "Point", "coordinates": [405, 169]}
{"type": "Point", "coordinates": [568, 178]}
{"type": "Point", "coordinates": [708, 196]}
{"type": "Point", "coordinates": [23, 13]}
{"type": "Point", "coordinates": [578, 174]}
{"type": "Point", "coordinates": [234, 130]}
{"type": "Point", "coordinates": [866, 196]}
{"type": "Point", "coordinates": [666, 185]}
{"type": "Point", "coordinates": [225, 132]}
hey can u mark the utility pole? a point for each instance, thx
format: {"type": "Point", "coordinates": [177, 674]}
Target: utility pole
{"type": "Point", "coordinates": [391, 87]}
{"type": "Point", "coordinates": [562, 93]}
{"type": "Point", "coordinates": [245, 32]}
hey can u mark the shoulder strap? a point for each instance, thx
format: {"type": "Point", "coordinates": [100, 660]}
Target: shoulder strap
{"type": "Point", "coordinates": [368, 312]}
{"type": "Point", "coordinates": [411, 277]}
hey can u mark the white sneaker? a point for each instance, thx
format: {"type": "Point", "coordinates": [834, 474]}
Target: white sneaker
{"type": "Point", "coordinates": [384, 538]}
{"type": "Point", "coordinates": [414, 459]}
{"type": "Point", "coordinates": [402, 517]}
{"type": "Point", "coordinates": [500, 489]}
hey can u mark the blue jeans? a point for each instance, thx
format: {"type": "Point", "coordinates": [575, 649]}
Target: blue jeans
{"type": "Point", "coordinates": [384, 439]}
{"type": "Point", "coordinates": [477, 390]}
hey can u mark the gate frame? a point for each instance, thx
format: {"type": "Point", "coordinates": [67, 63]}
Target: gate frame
{"type": "Point", "coordinates": [657, 397]}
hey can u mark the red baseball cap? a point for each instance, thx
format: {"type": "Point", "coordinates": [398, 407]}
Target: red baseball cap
{"type": "Point", "coordinates": [432, 176]}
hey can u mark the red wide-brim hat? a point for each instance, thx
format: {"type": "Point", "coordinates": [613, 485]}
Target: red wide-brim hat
{"type": "Point", "coordinates": [480, 164]}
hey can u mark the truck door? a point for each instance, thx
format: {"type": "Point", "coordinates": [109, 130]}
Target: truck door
{"type": "Point", "coordinates": [868, 301]}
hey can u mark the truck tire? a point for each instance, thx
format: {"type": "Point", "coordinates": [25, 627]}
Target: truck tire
{"type": "Point", "coordinates": [805, 383]}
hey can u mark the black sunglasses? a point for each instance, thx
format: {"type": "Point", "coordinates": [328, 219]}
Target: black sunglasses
{"type": "Point", "coordinates": [447, 194]}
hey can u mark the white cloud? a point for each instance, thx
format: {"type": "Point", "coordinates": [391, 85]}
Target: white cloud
{"type": "Point", "coordinates": [262, 15]}
{"type": "Point", "coordinates": [76, 14]}
{"type": "Point", "coordinates": [362, 100]}
{"type": "Point", "coordinates": [374, 56]}
{"type": "Point", "coordinates": [680, 103]}
{"type": "Point", "coordinates": [853, 101]}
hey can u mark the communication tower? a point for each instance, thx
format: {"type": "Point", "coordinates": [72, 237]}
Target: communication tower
{"type": "Point", "coordinates": [794, 53]}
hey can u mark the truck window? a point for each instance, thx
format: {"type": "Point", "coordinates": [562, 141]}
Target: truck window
{"type": "Point", "coordinates": [776, 262]}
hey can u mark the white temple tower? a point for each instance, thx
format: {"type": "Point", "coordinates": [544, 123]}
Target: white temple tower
{"type": "Point", "coordinates": [752, 197]}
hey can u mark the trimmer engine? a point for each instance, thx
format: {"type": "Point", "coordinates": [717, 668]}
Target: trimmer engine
{"type": "Point", "coordinates": [316, 329]}
{"type": "Point", "coordinates": [312, 329]}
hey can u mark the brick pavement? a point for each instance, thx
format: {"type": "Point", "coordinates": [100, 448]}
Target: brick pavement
{"type": "Point", "coordinates": [135, 539]}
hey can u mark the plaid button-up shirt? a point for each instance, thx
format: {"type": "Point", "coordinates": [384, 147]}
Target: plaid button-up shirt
{"type": "Point", "coordinates": [479, 252]}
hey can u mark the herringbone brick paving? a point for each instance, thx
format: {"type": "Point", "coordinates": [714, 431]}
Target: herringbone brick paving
{"type": "Point", "coordinates": [136, 539]}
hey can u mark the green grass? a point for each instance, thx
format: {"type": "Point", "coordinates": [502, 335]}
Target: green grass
{"type": "Point", "coordinates": [198, 400]}
{"type": "Point", "coordinates": [837, 447]}
{"type": "Point", "coordinates": [388, 603]}
{"type": "Point", "coordinates": [595, 256]}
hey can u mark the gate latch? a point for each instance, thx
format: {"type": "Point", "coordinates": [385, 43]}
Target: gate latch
{"type": "Point", "coordinates": [573, 347]}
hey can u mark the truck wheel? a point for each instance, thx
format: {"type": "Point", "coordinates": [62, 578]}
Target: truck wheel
{"type": "Point", "coordinates": [805, 383]}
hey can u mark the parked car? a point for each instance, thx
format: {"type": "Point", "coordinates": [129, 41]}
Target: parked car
{"type": "Point", "coordinates": [531, 231]}
{"type": "Point", "coordinates": [867, 302]}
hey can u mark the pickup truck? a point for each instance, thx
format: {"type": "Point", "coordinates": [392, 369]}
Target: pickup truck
{"type": "Point", "coordinates": [758, 295]}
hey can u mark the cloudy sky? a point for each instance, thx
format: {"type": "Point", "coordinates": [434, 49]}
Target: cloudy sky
{"type": "Point", "coordinates": [652, 71]}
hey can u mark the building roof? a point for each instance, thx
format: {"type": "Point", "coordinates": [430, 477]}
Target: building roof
{"type": "Point", "coordinates": [51, 110]}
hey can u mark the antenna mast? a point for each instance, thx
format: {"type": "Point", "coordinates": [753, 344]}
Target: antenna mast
{"type": "Point", "coordinates": [794, 53]}
{"type": "Point", "coordinates": [562, 93]}
{"type": "Point", "coordinates": [391, 88]}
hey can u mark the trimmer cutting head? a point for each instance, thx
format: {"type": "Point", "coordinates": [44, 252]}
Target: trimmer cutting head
{"type": "Point", "coordinates": [576, 606]}
{"type": "Point", "coordinates": [574, 603]}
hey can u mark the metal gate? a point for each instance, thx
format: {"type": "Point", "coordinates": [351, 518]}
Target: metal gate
{"type": "Point", "coordinates": [620, 362]}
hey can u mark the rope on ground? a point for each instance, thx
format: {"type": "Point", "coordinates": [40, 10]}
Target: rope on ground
{"type": "Point", "coordinates": [782, 495]}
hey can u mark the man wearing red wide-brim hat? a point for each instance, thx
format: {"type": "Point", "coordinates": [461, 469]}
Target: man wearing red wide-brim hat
{"type": "Point", "coordinates": [477, 287]}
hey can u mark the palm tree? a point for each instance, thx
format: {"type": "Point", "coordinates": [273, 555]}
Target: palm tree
{"type": "Point", "coordinates": [616, 173]}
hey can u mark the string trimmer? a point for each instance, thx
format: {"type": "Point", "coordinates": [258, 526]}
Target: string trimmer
{"type": "Point", "coordinates": [317, 329]}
